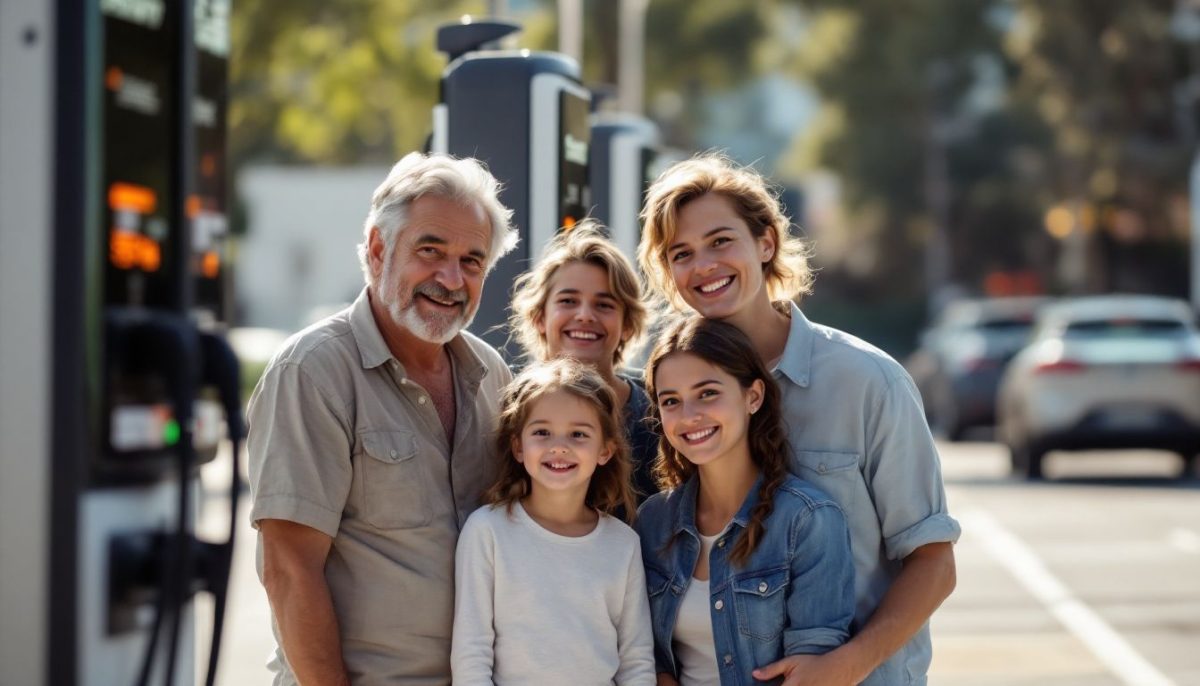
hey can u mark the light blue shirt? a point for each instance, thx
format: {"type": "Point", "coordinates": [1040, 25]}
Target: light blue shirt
{"type": "Point", "coordinates": [858, 432]}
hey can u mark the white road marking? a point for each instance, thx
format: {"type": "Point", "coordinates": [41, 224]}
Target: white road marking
{"type": "Point", "coordinates": [1184, 540]}
{"type": "Point", "coordinates": [1101, 639]}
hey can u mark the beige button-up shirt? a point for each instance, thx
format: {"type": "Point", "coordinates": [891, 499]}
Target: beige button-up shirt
{"type": "Point", "coordinates": [342, 441]}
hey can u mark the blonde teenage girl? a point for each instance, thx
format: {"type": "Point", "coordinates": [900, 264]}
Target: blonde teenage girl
{"type": "Point", "coordinates": [583, 300]}
{"type": "Point", "coordinates": [549, 585]}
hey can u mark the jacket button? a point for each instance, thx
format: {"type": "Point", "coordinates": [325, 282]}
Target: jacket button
{"type": "Point", "coordinates": [821, 469]}
{"type": "Point", "coordinates": [719, 604]}
{"type": "Point", "coordinates": [762, 587]}
{"type": "Point", "coordinates": [721, 543]}
{"type": "Point", "coordinates": [728, 659]}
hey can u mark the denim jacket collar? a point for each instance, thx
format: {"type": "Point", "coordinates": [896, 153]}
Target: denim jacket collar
{"type": "Point", "coordinates": [685, 516]}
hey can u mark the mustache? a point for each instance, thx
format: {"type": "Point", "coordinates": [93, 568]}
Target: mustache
{"type": "Point", "coordinates": [433, 289]}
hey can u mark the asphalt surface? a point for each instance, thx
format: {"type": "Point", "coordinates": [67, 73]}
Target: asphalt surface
{"type": "Point", "coordinates": [1091, 577]}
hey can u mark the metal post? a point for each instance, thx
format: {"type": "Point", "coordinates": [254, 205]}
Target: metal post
{"type": "Point", "coordinates": [570, 29]}
{"type": "Point", "coordinates": [631, 62]}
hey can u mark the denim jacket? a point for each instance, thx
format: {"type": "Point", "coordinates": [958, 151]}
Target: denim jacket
{"type": "Point", "coordinates": [795, 595]}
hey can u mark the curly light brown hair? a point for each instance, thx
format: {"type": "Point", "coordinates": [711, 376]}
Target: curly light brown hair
{"type": "Point", "coordinates": [588, 244]}
{"type": "Point", "coordinates": [609, 490]}
{"type": "Point", "coordinates": [726, 347]}
{"type": "Point", "coordinates": [787, 273]}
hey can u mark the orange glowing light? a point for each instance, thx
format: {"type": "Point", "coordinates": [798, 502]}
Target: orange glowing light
{"type": "Point", "coordinates": [208, 164]}
{"type": "Point", "coordinates": [127, 250]}
{"type": "Point", "coordinates": [129, 196]}
{"type": "Point", "coordinates": [569, 223]}
{"type": "Point", "coordinates": [113, 78]}
{"type": "Point", "coordinates": [210, 265]}
{"type": "Point", "coordinates": [193, 206]}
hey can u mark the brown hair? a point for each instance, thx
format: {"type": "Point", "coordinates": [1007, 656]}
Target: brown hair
{"type": "Point", "coordinates": [588, 244]}
{"type": "Point", "coordinates": [786, 273]}
{"type": "Point", "coordinates": [610, 486]}
{"type": "Point", "coordinates": [725, 346]}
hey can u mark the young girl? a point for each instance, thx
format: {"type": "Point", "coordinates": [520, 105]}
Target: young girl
{"type": "Point", "coordinates": [583, 300]}
{"type": "Point", "coordinates": [744, 563]}
{"type": "Point", "coordinates": [549, 585]}
{"type": "Point", "coordinates": [716, 241]}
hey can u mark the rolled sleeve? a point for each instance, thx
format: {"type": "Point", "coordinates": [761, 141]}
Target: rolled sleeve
{"type": "Point", "coordinates": [905, 473]}
{"type": "Point", "coordinates": [299, 450]}
{"type": "Point", "coordinates": [816, 641]}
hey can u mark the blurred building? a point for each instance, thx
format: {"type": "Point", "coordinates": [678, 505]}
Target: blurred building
{"type": "Point", "coordinates": [298, 255]}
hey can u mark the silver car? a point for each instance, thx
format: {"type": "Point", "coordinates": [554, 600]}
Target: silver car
{"type": "Point", "coordinates": [1104, 372]}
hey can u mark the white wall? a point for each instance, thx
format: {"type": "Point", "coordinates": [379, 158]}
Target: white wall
{"type": "Point", "coordinates": [299, 251]}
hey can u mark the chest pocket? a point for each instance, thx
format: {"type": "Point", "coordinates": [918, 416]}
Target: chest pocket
{"type": "Point", "coordinates": [761, 602]}
{"type": "Point", "coordinates": [392, 484]}
{"type": "Point", "coordinates": [834, 473]}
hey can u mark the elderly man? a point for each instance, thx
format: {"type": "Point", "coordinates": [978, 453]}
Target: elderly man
{"type": "Point", "coordinates": [370, 439]}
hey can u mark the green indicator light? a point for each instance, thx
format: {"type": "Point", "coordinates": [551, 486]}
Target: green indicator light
{"type": "Point", "coordinates": [171, 432]}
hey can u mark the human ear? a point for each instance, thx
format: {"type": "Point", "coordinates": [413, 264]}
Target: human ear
{"type": "Point", "coordinates": [755, 395]}
{"type": "Point", "coordinates": [610, 449]}
{"type": "Point", "coordinates": [375, 252]}
{"type": "Point", "coordinates": [515, 444]}
{"type": "Point", "coordinates": [766, 246]}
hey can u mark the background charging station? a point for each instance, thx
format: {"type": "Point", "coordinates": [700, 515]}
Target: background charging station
{"type": "Point", "coordinates": [117, 381]}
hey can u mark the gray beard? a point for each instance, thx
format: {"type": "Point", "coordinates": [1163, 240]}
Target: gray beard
{"type": "Point", "coordinates": [407, 316]}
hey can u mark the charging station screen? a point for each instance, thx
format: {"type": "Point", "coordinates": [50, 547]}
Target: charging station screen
{"type": "Point", "coordinates": [574, 138]}
{"type": "Point", "coordinates": [137, 151]}
{"type": "Point", "coordinates": [207, 206]}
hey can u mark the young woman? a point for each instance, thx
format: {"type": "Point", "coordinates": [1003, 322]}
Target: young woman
{"type": "Point", "coordinates": [745, 563]}
{"type": "Point", "coordinates": [583, 300]}
{"type": "Point", "coordinates": [549, 585]}
{"type": "Point", "coordinates": [715, 241]}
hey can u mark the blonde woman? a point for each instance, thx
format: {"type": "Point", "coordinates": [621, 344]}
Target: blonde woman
{"type": "Point", "coordinates": [716, 241]}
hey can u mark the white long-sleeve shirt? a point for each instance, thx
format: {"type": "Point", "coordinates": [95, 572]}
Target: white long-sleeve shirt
{"type": "Point", "coordinates": [534, 607]}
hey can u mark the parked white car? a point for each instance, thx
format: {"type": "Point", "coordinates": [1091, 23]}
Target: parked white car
{"type": "Point", "coordinates": [1104, 372]}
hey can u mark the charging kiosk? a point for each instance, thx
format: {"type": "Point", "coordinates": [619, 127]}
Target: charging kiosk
{"type": "Point", "coordinates": [115, 378]}
{"type": "Point", "coordinates": [625, 148]}
{"type": "Point", "coordinates": [524, 114]}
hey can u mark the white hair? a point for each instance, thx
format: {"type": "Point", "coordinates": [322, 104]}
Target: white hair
{"type": "Point", "coordinates": [464, 181]}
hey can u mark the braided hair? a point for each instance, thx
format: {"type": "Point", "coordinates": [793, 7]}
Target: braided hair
{"type": "Point", "coordinates": [726, 347]}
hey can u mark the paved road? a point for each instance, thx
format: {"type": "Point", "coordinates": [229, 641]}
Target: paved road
{"type": "Point", "coordinates": [1090, 578]}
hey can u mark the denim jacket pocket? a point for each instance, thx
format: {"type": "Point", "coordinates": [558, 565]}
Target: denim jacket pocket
{"type": "Point", "coordinates": [392, 484]}
{"type": "Point", "coordinates": [761, 602]}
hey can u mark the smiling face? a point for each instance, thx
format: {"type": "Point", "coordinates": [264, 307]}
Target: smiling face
{"type": "Point", "coordinates": [705, 411]}
{"type": "Point", "coordinates": [561, 443]}
{"type": "Point", "coordinates": [582, 318]}
{"type": "Point", "coordinates": [715, 261]}
{"type": "Point", "coordinates": [430, 282]}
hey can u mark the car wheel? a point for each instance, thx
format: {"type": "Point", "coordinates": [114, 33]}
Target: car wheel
{"type": "Point", "coordinates": [1026, 459]}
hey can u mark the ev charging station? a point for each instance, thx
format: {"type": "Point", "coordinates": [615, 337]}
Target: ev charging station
{"type": "Point", "coordinates": [625, 149]}
{"type": "Point", "coordinates": [115, 378]}
{"type": "Point", "coordinates": [524, 114]}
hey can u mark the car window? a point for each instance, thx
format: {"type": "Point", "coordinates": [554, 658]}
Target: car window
{"type": "Point", "coordinates": [1125, 328]}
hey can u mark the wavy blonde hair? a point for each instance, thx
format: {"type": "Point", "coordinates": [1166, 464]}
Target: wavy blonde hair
{"type": "Point", "coordinates": [587, 244]}
{"type": "Point", "coordinates": [787, 273]}
{"type": "Point", "coordinates": [609, 488]}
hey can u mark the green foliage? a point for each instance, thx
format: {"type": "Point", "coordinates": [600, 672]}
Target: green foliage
{"type": "Point", "coordinates": [335, 81]}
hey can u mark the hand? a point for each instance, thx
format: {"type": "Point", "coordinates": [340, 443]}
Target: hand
{"type": "Point", "coordinates": [665, 679]}
{"type": "Point", "coordinates": [829, 669]}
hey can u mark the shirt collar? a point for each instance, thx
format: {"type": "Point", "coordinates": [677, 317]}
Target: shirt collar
{"type": "Point", "coordinates": [685, 516]}
{"type": "Point", "coordinates": [796, 362]}
{"type": "Point", "coordinates": [371, 346]}
{"type": "Point", "coordinates": [374, 350]}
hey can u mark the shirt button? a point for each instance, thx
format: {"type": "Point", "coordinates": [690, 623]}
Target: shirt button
{"type": "Point", "coordinates": [422, 401]}
{"type": "Point", "coordinates": [728, 659]}
{"type": "Point", "coordinates": [762, 587]}
{"type": "Point", "coordinates": [393, 453]}
{"type": "Point", "coordinates": [719, 604]}
{"type": "Point", "coordinates": [821, 468]}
